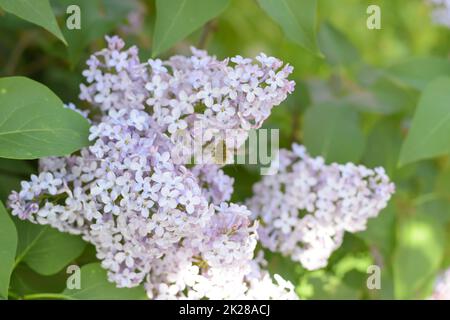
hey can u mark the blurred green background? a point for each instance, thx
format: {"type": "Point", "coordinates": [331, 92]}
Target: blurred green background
{"type": "Point", "coordinates": [374, 77]}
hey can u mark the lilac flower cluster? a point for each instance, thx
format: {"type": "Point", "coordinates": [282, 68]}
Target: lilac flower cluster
{"type": "Point", "coordinates": [171, 227]}
{"type": "Point", "coordinates": [216, 186]}
{"type": "Point", "coordinates": [151, 219]}
{"type": "Point", "coordinates": [441, 289]}
{"type": "Point", "coordinates": [305, 209]}
{"type": "Point", "coordinates": [202, 104]}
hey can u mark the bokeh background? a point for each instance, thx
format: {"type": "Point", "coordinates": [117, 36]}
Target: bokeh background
{"type": "Point", "coordinates": [376, 78]}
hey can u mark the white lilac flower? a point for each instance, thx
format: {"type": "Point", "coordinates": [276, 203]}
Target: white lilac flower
{"type": "Point", "coordinates": [305, 209]}
{"type": "Point", "coordinates": [100, 195]}
{"type": "Point", "coordinates": [441, 289]}
{"type": "Point", "coordinates": [183, 92]}
{"type": "Point", "coordinates": [150, 219]}
{"type": "Point", "coordinates": [440, 12]}
{"type": "Point", "coordinates": [185, 280]}
{"type": "Point", "coordinates": [216, 186]}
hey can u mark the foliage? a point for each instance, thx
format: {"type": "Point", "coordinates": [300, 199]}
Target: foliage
{"type": "Point", "coordinates": [374, 97]}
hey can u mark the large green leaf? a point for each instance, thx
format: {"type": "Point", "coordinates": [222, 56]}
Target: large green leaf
{"type": "Point", "coordinates": [438, 209]}
{"type": "Point", "coordinates": [418, 72]}
{"type": "Point", "coordinates": [418, 255]}
{"type": "Point", "coordinates": [336, 46]}
{"type": "Point", "coordinates": [8, 246]}
{"type": "Point", "coordinates": [95, 285]}
{"type": "Point", "coordinates": [383, 96]}
{"type": "Point", "coordinates": [44, 249]}
{"type": "Point", "coordinates": [34, 123]}
{"type": "Point", "coordinates": [333, 131]}
{"type": "Point", "coordinates": [26, 281]}
{"type": "Point", "coordinates": [36, 11]}
{"type": "Point", "coordinates": [430, 128]}
{"type": "Point", "coordinates": [383, 145]}
{"type": "Point", "coordinates": [176, 19]}
{"type": "Point", "coordinates": [297, 18]}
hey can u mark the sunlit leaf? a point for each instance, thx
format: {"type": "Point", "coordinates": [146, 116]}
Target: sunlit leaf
{"type": "Point", "coordinates": [36, 124]}
{"type": "Point", "coordinates": [420, 244]}
{"type": "Point", "coordinates": [176, 19]}
{"type": "Point", "coordinates": [36, 11]}
{"type": "Point", "coordinates": [333, 132]}
{"type": "Point", "coordinates": [336, 46]}
{"type": "Point", "coordinates": [418, 72]}
{"type": "Point", "coordinates": [430, 128]}
{"type": "Point", "coordinates": [297, 18]}
{"type": "Point", "coordinates": [95, 285]}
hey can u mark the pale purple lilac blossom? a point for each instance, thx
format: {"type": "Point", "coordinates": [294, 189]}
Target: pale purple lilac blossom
{"type": "Point", "coordinates": [157, 222]}
{"type": "Point", "coordinates": [307, 206]}
{"type": "Point", "coordinates": [440, 12]}
{"type": "Point", "coordinates": [151, 220]}
{"type": "Point", "coordinates": [196, 98]}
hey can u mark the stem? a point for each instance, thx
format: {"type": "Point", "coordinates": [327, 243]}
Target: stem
{"type": "Point", "coordinates": [39, 296]}
{"type": "Point", "coordinates": [209, 27]}
{"type": "Point", "coordinates": [377, 256]}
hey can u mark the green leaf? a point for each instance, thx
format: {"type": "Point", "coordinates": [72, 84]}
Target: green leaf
{"type": "Point", "coordinates": [430, 128]}
{"type": "Point", "coordinates": [338, 50]}
{"type": "Point", "coordinates": [380, 93]}
{"type": "Point", "coordinates": [437, 209]}
{"type": "Point", "coordinates": [446, 260]}
{"type": "Point", "coordinates": [321, 285]}
{"type": "Point", "coordinates": [34, 123]}
{"type": "Point", "coordinates": [244, 179]}
{"type": "Point", "coordinates": [278, 264]}
{"type": "Point", "coordinates": [380, 232]}
{"type": "Point", "coordinates": [95, 285]}
{"type": "Point", "coordinates": [297, 18]}
{"type": "Point", "coordinates": [417, 256]}
{"type": "Point", "coordinates": [26, 281]}
{"type": "Point", "coordinates": [176, 19]}
{"type": "Point", "coordinates": [35, 11]}
{"type": "Point", "coordinates": [418, 72]}
{"type": "Point", "coordinates": [443, 183]}
{"type": "Point", "coordinates": [8, 246]}
{"type": "Point", "coordinates": [44, 249]}
{"type": "Point", "coordinates": [333, 131]}
{"type": "Point", "coordinates": [383, 145]}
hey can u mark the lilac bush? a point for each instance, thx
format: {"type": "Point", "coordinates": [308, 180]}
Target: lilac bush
{"type": "Point", "coordinates": [154, 218]}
